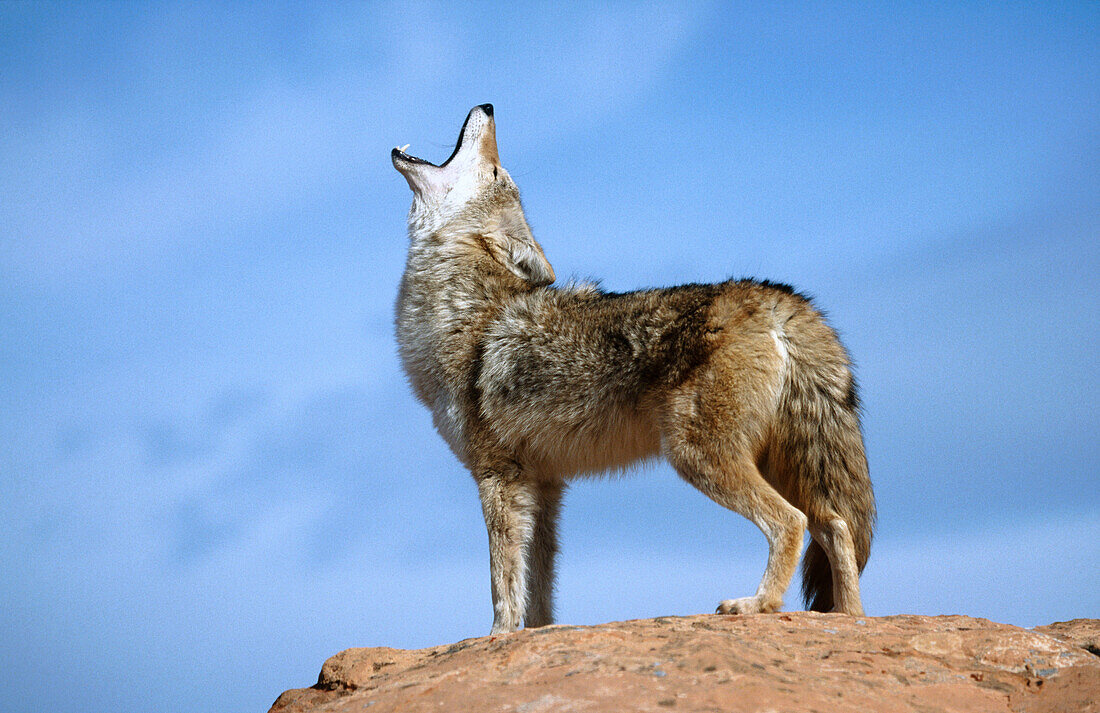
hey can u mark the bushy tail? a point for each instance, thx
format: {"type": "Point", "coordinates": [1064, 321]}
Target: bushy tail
{"type": "Point", "coordinates": [858, 511]}
{"type": "Point", "coordinates": [817, 579]}
{"type": "Point", "coordinates": [842, 488]}
{"type": "Point", "coordinates": [820, 448]}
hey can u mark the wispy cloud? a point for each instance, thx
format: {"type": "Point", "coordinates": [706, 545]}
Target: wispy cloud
{"type": "Point", "coordinates": [277, 142]}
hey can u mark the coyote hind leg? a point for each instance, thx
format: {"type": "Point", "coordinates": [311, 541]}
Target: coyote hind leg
{"type": "Point", "coordinates": [740, 487]}
{"type": "Point", "coordinates": [835, 538]}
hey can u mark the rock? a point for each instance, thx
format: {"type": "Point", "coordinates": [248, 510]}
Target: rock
{"type": "Point", "coordinates": [784, 662]}
{"type": "Point", "coordinates": [1079, 632]}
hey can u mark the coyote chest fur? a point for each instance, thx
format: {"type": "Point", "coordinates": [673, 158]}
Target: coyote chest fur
{"type": "Point", "coordinates": [740, 385]}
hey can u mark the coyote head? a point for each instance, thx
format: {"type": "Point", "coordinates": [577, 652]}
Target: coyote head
{"type": "Point", "coordinates": [470, 194]}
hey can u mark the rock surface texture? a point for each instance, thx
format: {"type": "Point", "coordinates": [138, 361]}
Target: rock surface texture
{"type": "Point", "coordinates": [769, 662]}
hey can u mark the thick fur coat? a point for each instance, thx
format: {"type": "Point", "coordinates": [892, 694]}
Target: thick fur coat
{"type": "Point", "coordinates": [740, 385]}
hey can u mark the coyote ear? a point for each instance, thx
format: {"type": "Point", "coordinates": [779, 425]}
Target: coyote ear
{"type": "Point", "coordinates": [527, 261]}
{"type": "Point", "coordinates": [521, 252]}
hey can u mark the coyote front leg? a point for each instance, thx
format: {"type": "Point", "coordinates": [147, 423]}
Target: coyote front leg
{"type": "Point", "coordinates": [542, 552]}
{"type": "Point", "coordinates": [509, 503]}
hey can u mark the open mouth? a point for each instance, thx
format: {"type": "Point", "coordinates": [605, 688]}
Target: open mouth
{"type": "Point", "coordinates": [399, 152]}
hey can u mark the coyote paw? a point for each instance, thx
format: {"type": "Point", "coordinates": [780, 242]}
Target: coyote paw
{"type": "Point", "coordinates": [499, 629]}
{"type": "Point", "coordinates": [747, 605]}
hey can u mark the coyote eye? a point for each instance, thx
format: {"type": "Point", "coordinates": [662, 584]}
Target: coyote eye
{"type": "Point", "coordinates": [494, 173]}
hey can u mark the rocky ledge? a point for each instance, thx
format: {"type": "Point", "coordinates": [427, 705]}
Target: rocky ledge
{"type": "Point", "coordinates": [770, 662]}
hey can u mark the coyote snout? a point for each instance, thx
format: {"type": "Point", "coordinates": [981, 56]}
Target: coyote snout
{"type": "Point", "coordinates": [740, 385]}
{"type": "Point", "coordinates": [475, 151]}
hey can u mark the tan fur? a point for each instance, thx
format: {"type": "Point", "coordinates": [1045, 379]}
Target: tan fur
{"type": "Point", "coordinates": [740, 385]}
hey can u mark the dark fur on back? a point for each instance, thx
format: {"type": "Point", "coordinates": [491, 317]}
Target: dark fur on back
{"type": "Point", "coordinates": [643, 339]}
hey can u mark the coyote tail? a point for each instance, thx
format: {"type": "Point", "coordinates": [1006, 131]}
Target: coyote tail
{"type": "Point", "coordinates": [821, 444]}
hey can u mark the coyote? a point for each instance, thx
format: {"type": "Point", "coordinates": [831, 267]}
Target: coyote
{"type": "Point", "coordinates": [741, 386]}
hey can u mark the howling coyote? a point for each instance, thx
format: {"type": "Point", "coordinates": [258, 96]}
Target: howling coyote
{"type": "Point", "coordinates": [740, 385]}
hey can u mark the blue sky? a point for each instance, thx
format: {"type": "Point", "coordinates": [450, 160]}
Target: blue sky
{"type": "Point", "coordinates": [212, 474]}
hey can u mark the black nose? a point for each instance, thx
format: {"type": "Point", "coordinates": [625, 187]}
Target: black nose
{"type": "Point", "coordinates": [487, 108]}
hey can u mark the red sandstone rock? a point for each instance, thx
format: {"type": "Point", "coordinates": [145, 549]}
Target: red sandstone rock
{"type": "Point", "coordinates": [1084, 633]}
{"type": "Point", "coordinates": [773, 662]}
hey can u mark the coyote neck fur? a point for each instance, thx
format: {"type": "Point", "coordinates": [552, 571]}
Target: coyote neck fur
{"type": "Point", "coordinates": [451, 290]}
